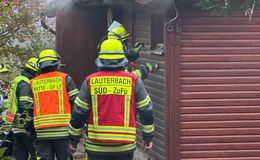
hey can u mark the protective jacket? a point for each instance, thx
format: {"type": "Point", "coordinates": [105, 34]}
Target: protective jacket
{"type": "Point", "coordinates": [19, 101]}
{"type": "Point", "coordinates": [107, 102]}
{"type": "Point", "coordinates": [106, 125]}
{"type": "Point", "coordinates": [52, 104]}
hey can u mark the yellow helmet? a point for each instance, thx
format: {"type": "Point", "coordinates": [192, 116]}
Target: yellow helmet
{"type": "Point", "coordinates": [117, 31]}
{"type": "Point", "coordinates": [111, 54]}
{"type": "Point", "coordinates": [3, 69]}
{"type": "Point", "coordinates": [32, 64]}
{"type": "Point", "coordinates": [48, 58]}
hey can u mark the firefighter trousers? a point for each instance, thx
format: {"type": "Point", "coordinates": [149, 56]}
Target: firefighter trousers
{"type": "Point", "coordinates": [23, 147]}
{"type": "Point", "coordinates": [129, 156]}
{"type": "Point", "coordinates": [51, 149]}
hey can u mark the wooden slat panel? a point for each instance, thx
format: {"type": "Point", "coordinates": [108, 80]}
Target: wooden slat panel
{"type": "Point", "coordinates": [219, 36]}
{"type": "Point", "coordinates": [219, 50]}
{"type": "Point", "coordinates": [221, 43]}
{"type": "Point", "coordinates": [219, 87]}
{"type": "Point", "coordinates": [220, 21]}
{"type": "Point", "coordinates": [221, 58]}
{"type": "Point", "coordinates": [218, 102]}
{"type": "Point", "coordinates": [220, 138]}
{"type": "Point", "coordinates": [220, 117]}
{"type": "Point", "coordinates": [220, 65]}
{"type": "Point", "coordinates": [154, 84]}
{"type": "Point", "coordinates": [220, 131]}
{"type": "Point", "coordinates": [220, 146]}
{"type": "Point", "coordinates": [222, 80]}
{"type": "Point", "coordinates": [221, 109]}
{"type": "Point", "coordinates": [221, 28]}
{"type": "Point", "coordinates": [220, 72]}
{"type": "Point", "coordinates": [220, 124]}
{"type": "Point", "coordinates": [224, 153]}
{"type": "Point", "coordinates": [224, 95]}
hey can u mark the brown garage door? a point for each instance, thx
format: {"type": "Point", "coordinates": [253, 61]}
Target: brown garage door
{"type": "Point", "coordinates": [218, 86]}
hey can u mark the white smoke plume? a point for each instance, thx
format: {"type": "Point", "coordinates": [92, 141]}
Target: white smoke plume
{"type": "Point", "coordinates": [161, 6]}
{"type": "Point", "coordinates": [64, 3]}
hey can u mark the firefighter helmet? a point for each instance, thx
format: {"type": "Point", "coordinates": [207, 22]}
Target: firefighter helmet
{"type": "Point", "coordinates": [48, 58]}
{"type": "Point", "coordinates": [112, 54]}
{"type": "Point", "coordinates": [117, 31]}
{"type": "Point", "coordinates": [3, 69]}
{"type": "Point", "coordinates": [32, 64]}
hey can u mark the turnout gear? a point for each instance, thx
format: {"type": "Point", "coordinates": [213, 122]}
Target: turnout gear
{"type": "Point", "coordinates": [129, 156]}
{"type": "Point", "coordinates": [13, 99]}
{"type": "Point", "coordinates": [118, 87]}
{"type": "Point", "coordinates": [48, 90]}
{"type": "Point", "coordinates": [105, 124]}
{"type": "Point", "coordinates": [6, 143]}
{"type": "Point", "coordinates": [107, 103]}
{"type": "Point", "coordinates": [144, 70]}
{"type": "Point", "coordinates": [48, 58]}
{"type": "Point", "coordinates": [53, 95]}
{"type": "Point", "coordinates": [133, 54]}
{"type": "Point", "coordinates": [46, 147]}
{"type": "Point", "coordinates": [17, 112]}
{"type": "Point", "coordinates": [111, 54]}
{"type": "Point", "coordinates": [117, 31]}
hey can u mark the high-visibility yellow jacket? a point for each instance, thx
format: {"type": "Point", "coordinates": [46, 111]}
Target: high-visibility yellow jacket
{"type": "Point", "coordinates": [13, 99]}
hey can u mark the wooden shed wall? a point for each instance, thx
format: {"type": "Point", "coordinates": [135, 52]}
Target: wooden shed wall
{"type": "Point", "coordinates": [217, 77]}
{"type": "Point", "coordinates": [78, 34]}
{"type": "Point", "coordinates": [139, 22]}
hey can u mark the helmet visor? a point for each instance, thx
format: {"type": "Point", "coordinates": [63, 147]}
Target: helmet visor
{"type": "Point", "coordinates": [114, 25]}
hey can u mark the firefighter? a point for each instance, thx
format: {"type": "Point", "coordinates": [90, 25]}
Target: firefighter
{"type": "Point", "coordinates": [3, 69]}
{"type": "Point", "coordinates": [107, 104]}
{"type": "Point", "coordinates": [18, 104]}
{"type": "Point", "coordinates": [53, 93]}
{"type": "Point", "coordinates": [118, 31]}
{"type": "Point", "coordinates": [6, 134]}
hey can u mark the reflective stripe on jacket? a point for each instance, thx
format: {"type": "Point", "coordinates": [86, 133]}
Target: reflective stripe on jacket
{"type": "Point", "coordinates": [12, 99]}
{"type": "Point", "coordinates": [51, 100]}
{"type": "Point", "coordinates": [113, 107]}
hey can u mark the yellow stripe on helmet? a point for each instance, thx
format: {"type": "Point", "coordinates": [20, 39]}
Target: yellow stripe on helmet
{"type": "Point", "coordinates": [48, 55]}
{"type": "Point", "coordinates": [111, 56]}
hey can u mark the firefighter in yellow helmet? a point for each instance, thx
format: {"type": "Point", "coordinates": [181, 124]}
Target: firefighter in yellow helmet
{"type": "Point", "coordinates": [54, 94]}
{"type": "Point", "coordinates": [6, 134]}
{"type": "Point", "coordinates": [118, 31]}
{"type": "Point", "coordinates": [107, 103]}
{"type": "Point", "coordinates": [3, 87]}
{"type": "Point", "coordinates": [18, 105]}
{"type": "Point", "coordinates": [3, 69]}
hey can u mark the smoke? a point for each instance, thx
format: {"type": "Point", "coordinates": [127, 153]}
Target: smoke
{"type": "Point", "coordinates": [156, 6]}
{"type": "Point", "coordinates": [161, 6]}
{"type": "Point", "coordinates": [64, 4]}
{"type": "Point", "coordinates": [117, 2]}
